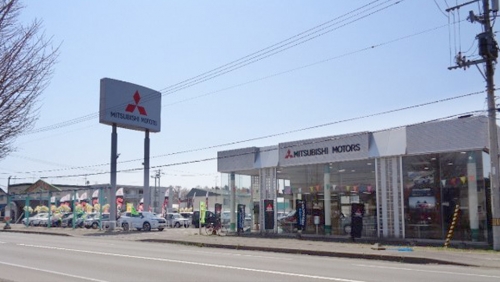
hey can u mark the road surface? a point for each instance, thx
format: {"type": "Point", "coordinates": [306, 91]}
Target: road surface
{"type": "Point", "coordinates": [35, 257]}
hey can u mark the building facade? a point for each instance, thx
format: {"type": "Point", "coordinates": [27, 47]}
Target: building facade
{"type": "Point", "coordinates": [418, 181]}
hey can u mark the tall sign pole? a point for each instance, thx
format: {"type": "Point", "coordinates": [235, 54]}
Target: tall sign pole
{"type": "Point", "coordinates": [112, 190]}
{"type": "Point", "coordinates": [488, 50]}
{"type": "Point", "coordinates": [131, 106]}
{"type": "Point", "coordinates": [147, 189]}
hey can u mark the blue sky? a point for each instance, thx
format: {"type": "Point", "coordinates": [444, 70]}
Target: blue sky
{"type": "Point", "coordinates": [157, 44]}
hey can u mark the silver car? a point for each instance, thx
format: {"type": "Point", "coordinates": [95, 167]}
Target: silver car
{"type": "Point", "coordinates": [35, 220]}
{"type": "Point", "coordinates": [177, 220]}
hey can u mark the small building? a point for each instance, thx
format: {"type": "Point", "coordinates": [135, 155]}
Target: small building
{"type": "Point", "coordinates": [406, 182]}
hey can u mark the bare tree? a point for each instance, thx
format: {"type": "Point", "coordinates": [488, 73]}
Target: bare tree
{"type": "Point", "coordinates": [26, 66]}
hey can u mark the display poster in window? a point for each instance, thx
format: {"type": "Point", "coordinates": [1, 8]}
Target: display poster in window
{"type": "Point", "coordinates": [422, 205]}
{"type": "Point", "coordinates": [269, 214]}
{"type": "Point", "coordinates": [301, 214]}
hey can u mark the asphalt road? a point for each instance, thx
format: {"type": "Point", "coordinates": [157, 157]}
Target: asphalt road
{"type": "Point", "coordinates": [35, 257]}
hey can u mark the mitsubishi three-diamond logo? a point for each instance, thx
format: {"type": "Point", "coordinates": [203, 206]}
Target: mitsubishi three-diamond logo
{"type": "Point", "coordinates": [131, 107]}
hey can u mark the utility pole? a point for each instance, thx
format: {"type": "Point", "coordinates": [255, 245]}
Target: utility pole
{"type": "Point", "coordinates": [157, 176]}
{"type": "Point", "coordinates": [488, 50]}
{"type": "Point", "coordinates": [8, 212]}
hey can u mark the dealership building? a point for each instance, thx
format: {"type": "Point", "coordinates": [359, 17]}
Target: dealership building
{"type": "Point", "coordinates": [422, 181]}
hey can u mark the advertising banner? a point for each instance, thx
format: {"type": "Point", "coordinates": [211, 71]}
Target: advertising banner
{"type": "Point", "coordinates": [119, 199]}
{"type": "Point", "coordinates": [202, 212]}
{"type": "Point", "coordinates": [269, 214]}
{"type": "Point", "coordinates": [241, 216]}
{"type": "Point", "coordinates": [95, 197]}
{"type": "Point", "coordinates": [301, 214]}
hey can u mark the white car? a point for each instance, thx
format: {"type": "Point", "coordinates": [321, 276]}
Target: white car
{"type": "Point", "coordinates": [35, 220]}
{"type": "Point", "coordinates": [177, 220]}
{"type": "Point", "coordinates": [142, 221]}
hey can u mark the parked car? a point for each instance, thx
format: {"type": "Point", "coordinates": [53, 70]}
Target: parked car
{"type": "Point", "coordinates": [55, 219]}
{"type": "Point", "coordinates": [177, 220]}
{"type": "Point", "coordinates": [142, 221]}
{"type": "Point", "coordinates": [35, 220]}
{"type": "Point", "coordinates": [209, 218]}
{"type": "Point", "coordinates": [93, 222]}
{"type": "Point", "coordinates": [288, 222]}
{"type": "Point", "coordinates": [188, 215]}
{"type": "Point", "coordinates": [226, 218]}
{"type": "Point", "coordinates": [80, 221]}
{"type": "Point", "coordinates": [68, 221]}
{"type": "Point", "coordinates": [346, 223]}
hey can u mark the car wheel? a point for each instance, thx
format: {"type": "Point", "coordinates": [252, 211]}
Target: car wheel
{"type": "Point", "coordinates": [146, 226]}
{"type": "Point", "coordinates": [95, 225]}
{"type": "Point", "coordinates": [177, 225]}
{"type": "Point", "coordinates": [125, 226]}
{"type": "Point", "coordinates": [347, 229]}
{"type": "Point", "coordinates": [160, 229]}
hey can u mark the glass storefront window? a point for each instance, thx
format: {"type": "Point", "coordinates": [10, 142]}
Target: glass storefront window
{"type": "Point", "coordinates": [441, 187]}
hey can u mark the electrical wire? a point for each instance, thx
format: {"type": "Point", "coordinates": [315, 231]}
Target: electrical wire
{"type": "Point", "coordinates": [273, 135]}
{"type": "Point", "coordinates": [439, 8]}
{"type": "Point", "coordinates": [371, 47]}
{"type": "Point", "coordinates": [247, 60]}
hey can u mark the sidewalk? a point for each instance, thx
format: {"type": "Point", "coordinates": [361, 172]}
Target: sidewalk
{"type": "Point", "coordinates": [307, 245]}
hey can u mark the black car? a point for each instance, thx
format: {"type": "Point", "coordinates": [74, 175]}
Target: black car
{"type": "Point", "coordinates": [209, 218]}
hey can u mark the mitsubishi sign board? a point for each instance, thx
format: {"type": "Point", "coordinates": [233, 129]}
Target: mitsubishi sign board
{"type": "Point", "coordinates": [324, 150]}
{"type": "Point", "coordinates": [129, 105]}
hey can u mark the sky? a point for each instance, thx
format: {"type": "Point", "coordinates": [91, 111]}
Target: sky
{"type": "Point", "coordinates": [370, 65]}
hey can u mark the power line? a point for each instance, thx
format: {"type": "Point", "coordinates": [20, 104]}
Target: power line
{"type": "Point", "coordinates": [371, 47]}
{"type": "Point", "coordinates": [244, 61]}
{"type": "Point", "coordinates": [276, 135]}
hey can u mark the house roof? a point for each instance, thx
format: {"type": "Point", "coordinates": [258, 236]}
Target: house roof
{"type": "Point", "coordinates": [42, 186]}
{"type": "Point", "coordinates": [200, 192]}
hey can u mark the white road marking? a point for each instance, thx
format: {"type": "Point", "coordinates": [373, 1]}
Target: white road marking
{"type": "Point", "coordinates": [429, 271]}
{"type": "Point", "coordinates": [3, 242]}
{"type": "Point", "coordinates": [196, 263]}
{"type": "Point", "coordinates": [241, 255]}
{"type": "Point", "coordinates": [52, 272]}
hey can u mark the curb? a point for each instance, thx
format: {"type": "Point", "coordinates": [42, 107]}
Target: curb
{"type": "Point", "coordinates": [37, 232]}
{"type": "Point", "coordinates": [391, 258]}
{"type": "Point", "coordinates": [381, 257]}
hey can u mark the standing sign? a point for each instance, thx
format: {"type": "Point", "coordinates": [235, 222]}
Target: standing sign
{"type": "Point", "coordinates": [241, 217]}
{"type": "Point", "coordinates": [301, 214]}
{"type": "Point", "coordinates": [357, 213]}
{"type": "Point", "coordinates": [269, 214]}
